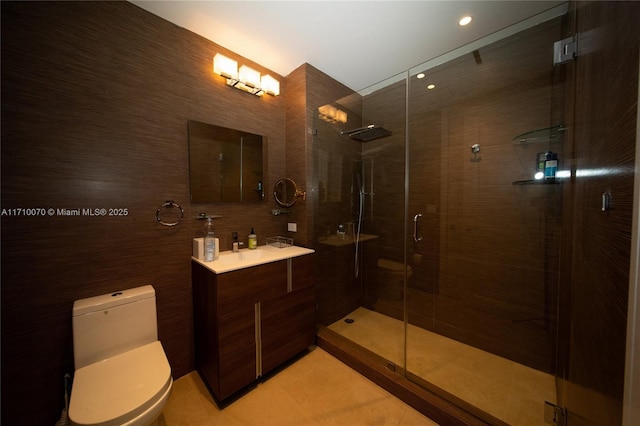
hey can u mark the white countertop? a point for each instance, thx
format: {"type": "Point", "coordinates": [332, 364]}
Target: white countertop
{"type": "Point", "coordinates": [245, 258]}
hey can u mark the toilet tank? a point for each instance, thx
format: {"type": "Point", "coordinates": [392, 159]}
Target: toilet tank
{"type": "Point", "coordinates": [110, 324]}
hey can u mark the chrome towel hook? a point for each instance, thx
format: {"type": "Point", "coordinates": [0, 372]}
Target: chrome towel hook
{"type": "Point", "coordinates": [169, 204]}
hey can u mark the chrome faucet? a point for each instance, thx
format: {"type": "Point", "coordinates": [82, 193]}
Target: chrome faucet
{"type": "Point", "coordinates": [236, 244]}
{"type": "Point", "coordinates": [235, 241]}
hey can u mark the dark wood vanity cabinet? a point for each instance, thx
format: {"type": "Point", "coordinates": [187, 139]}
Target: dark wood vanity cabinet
{"type": "Point", "coordinates": [249, 321]}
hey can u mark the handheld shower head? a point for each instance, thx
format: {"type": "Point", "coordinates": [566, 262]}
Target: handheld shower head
{"type": "Point", "coordinates": [359, 186]}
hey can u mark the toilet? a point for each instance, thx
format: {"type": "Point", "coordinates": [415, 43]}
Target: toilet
{"type": "Point", "coordinates": [122, 375]}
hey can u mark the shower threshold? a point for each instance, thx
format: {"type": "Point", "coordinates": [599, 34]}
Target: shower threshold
{"type": "Point", "coordinates": [431, 404]}
{"type": "Point", "coordinates": [491, 388]}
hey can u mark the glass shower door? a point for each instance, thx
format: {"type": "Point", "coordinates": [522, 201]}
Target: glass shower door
{"type": "Point", "coordinates": [484, 227]}
{"type": "Point", "coordinates": [359, 161]}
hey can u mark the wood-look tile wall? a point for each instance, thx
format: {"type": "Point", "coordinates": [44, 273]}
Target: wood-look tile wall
{"type": "Point", "coordinates": [295, 142]}
{"type": "Point", "coordinates": [308, 88]}
{"type": "Point", "coordinates": [95, 102]}
{"type": "Point", "coordinates": [336, 293]}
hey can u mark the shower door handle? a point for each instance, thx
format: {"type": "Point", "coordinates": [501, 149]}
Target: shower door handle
{"type": "Point", "coordinates": [416, 237]}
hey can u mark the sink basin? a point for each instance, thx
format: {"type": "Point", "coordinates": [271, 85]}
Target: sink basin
{"type": "Point", "coordinates": [242, 255]}
{"type": "Point", "coordinates": [245, 258]}
{"type": "Point", "coordinates": [336, 241]}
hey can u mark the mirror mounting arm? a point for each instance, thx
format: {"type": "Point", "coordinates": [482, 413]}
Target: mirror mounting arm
{"type": "Point", "coordinates": [286, 192]}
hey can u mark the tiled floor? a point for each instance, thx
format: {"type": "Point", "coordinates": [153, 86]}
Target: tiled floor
{"type": "Point", "coordinates": [315, 390]}
{"type": "Point", "coordinates": [509, 391]}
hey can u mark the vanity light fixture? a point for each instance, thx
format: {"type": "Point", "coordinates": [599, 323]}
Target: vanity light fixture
{"type": "Point", "coordinates": [332, 114]}
{"type": "Point", "coordinates": [249, 76]}
{"type": "Point", "coordinates": [270, 85]}
{"type": "Point", "coordinates": [225, 67]}
{"type": "Point", "coordinates": [245, 78]}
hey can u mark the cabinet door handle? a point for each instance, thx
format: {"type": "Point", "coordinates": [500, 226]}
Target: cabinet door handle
{"type": "Point", "coordinates": [416, 237]}
{"type": "Point", "coordinates": [258, 330]}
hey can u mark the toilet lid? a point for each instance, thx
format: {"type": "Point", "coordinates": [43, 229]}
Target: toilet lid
{"type": "Point", "coordinates": [115, 390]}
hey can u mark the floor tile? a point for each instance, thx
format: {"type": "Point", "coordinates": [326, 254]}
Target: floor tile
{"type": "Point", "coordinates": [316, 390]}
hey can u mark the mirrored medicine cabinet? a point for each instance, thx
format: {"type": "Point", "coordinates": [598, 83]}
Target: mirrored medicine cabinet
{"type": "Point", "coordinates": [225, 165]}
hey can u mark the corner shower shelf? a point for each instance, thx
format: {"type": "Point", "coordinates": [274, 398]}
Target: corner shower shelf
{"type": "Point", "coordinates": [549, 134]}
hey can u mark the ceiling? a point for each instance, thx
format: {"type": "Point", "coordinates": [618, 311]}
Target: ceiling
{"type": "Point", "coordinates": [358, 43]}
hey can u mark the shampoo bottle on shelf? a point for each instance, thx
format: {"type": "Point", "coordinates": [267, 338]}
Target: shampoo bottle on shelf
{"type": "Point", "coordinates": [209, 241]}
{"type": "Point", "coordinates": [253, 240]}
{"type": "Point", "coordinates": [551, 165]}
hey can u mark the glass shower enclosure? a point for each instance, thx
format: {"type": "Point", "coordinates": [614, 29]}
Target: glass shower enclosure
{"type": "Point", "coordinates": [438, 221]}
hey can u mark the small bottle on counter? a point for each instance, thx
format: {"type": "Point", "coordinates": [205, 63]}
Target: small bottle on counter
{"type": "Point", "coordinates": [209, 241]}
{"type": "Point", "coordinates": [253, 240]}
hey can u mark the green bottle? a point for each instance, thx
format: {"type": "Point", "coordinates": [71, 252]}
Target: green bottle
{"type": "Point", "coordinates": [253, 240]}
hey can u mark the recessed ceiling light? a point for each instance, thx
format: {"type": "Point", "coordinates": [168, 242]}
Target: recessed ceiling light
{"type": "Point", "coordinates": [421, 75]}
{"type": "Point", "coordinates": [465, 20]}
{"type": "Point", "coordinates": [431, 86]}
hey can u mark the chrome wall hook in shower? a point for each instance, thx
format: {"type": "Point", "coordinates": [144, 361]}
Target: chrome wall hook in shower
{"type": "Point", "coordinates": [475, 149]}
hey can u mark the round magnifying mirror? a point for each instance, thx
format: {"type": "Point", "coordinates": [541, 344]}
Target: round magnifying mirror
{"type": "Point", "coordinates": [286, 192]}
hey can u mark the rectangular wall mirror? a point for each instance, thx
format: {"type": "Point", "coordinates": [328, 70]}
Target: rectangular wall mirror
{"type": "Point", "coordinates": [225, 165]}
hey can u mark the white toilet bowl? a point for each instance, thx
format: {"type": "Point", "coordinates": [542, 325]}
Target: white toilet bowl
{"type": "Point", "coordinates": [128, 389]}
{"type": "Point", "coordinates": [122, 374]}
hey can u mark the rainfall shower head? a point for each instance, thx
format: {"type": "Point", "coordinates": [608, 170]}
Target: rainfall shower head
{"type": "Point", "coordinates": [366, 134]}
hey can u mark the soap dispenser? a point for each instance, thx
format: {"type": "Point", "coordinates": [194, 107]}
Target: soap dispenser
{"type": "Point", "coordinates": [209, 241]}
{"type": "Point", "coordinates": [253, 240]}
